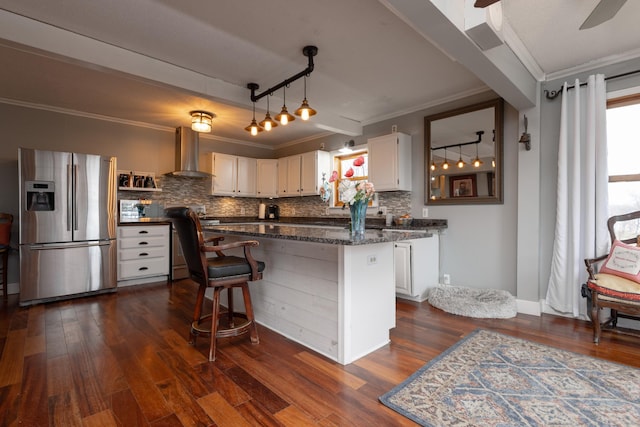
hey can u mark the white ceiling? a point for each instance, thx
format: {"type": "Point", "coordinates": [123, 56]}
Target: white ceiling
{"type": "Point", "coordinates": [152, 61]}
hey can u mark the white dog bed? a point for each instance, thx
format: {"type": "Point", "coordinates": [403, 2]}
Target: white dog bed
{"type": "Point", "coordinates": [470, 302]}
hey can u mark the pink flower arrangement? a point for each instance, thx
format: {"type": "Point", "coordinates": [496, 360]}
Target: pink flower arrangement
{"type": "Point", "coordinates": [351, 192]}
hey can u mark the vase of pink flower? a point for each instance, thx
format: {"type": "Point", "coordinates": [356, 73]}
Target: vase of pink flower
{"type": "Point", "coordinates": [356, 194]}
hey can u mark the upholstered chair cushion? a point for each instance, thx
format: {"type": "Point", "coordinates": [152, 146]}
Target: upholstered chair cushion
{"type": "Point", "coordinates": [230, 266]}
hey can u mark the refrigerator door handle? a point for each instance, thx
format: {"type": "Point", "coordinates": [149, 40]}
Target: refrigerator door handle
{"type": "Point", "coordinates": [69, 198]}
{"type": "Point", "coordinates": [80, 245]}
{"type": "Point", "coordinates": [75, 201]}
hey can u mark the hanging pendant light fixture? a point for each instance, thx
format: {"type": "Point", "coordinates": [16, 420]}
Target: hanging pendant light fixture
{"type": "Point", "coordinates": [284, 117]}
{"type": "Point", "coordinates": [445, 165]}
{"type": "Point", "coordinates": [477, 162]}
{"type": "Point", "coordinates": [201, 120]}
{"type": "Point", "coordinates": [460, 163]}
{"type": "Point", "coordinates": [305, 111]}
{"type": "Point", "coordinates": [268, 123]}
{"type": "Point", "coordinates": [433, 165]}
{"type": "Point", "coordinates": [253, 127]}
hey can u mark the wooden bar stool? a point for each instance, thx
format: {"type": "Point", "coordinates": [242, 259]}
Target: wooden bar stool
{"type": "Point", "coordinates": [6, 221]}
{"type": "Point", "coordinates": [219, 272]}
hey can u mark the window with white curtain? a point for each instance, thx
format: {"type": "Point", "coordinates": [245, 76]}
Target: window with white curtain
{"type": "Point", "coordinates": [623, 146]}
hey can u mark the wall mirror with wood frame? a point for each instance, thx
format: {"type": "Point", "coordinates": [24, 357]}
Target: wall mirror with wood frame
{"type": "Point", "coordinates": [463, 155]}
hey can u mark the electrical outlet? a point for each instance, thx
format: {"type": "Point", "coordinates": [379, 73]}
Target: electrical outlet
{"type": "Point", "coordinates": [383, 210]}
{"type": "Point", "coordinates": [372, 259]}
{"type": "Point", "coordinates": [242, 211]}
{"type": "Point", "coordinates": [446, 278]}
{"type": "Point", "coordinates": [293, 211]}
{"type": "Point", "coordinates": [425, 212]}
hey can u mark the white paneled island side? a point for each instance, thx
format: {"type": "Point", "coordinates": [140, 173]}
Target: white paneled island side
{"type": "Point", "coordinates": [323, 288]}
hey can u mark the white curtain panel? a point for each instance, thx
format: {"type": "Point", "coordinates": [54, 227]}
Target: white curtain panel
{"type": "Point", "coordinates": [582, 202]}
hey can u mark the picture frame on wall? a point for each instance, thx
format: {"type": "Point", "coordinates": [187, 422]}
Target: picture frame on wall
{"type": "Point", "coordinates": [463, 186]}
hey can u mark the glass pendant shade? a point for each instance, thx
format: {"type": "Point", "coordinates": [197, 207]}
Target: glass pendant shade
{"type": "Point", "coordinates": [433, 165]}
{"type": "Point", "coordinates": [477, 162]}
{"type": "Point", "coordinates": [445, 165]}
{"type": "Point", "coordinates": [201, 121]}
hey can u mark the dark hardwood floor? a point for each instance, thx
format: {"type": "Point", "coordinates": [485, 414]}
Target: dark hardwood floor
{"type": "Point", "coordinates": [122, 359]}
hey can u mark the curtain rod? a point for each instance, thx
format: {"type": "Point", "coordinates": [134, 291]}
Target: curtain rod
{"type": "Point", "coordinates": [553, 94]}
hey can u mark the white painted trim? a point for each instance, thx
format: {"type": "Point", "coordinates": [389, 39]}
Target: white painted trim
{"type": "Point", "coordinates": [528, 307]}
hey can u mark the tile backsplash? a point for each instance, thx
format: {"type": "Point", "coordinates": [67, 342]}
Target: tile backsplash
{"type": "Point", "coordinates": [193, 191]}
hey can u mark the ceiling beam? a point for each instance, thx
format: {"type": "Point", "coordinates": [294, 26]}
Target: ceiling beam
{"type": "Point", "coordinates": [441, 22]}
{"type": "Point", "coordinates": [40, 38]}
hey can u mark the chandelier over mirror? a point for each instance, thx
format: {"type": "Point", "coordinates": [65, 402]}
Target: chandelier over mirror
{"type": "Point", "coordinates": [284, 117]}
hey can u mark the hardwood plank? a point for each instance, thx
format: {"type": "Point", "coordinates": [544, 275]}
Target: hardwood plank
{"type": "Point", "coordinates": [331, 369]}
{"type": "Point", "coordinates": [257, 390]}
{"type": "Point", "coordinates": [221, 411]}
{"type": "Point", "coordinates": [10, 398]}
{"type": "Point", "coordinates": [257, 415]}
{"type": "Point", "coordinates": [126, 410]}
{"type": "Point", "coordinates": [222, 384]}
{"type": "Point", "coordinates": [34, 390]}
{"type": "Point", "coordinates": [292, 416]}
{"type": "Point", "coordinates": [183, 403]}
{"type": "Point", "coordinates": [101, 419]}
{"type": "Point", "coordinates": [59, 375]}
{"type": "Point", "coordinates": [64, 409]}
{"type": "Point", "coordinates": [12, 360]}
{"type": "Point", "coordinates": [180, 345]}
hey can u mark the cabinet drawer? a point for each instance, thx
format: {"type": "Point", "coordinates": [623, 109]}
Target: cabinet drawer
{"type": "Point", "coordinates": [143, 242]}
{"type": "Point", "coordinates": [144, 267]}
{"type": "Point", "coordinates": [143, 231]}
{"type": "Point", "coordinates": [142, 253]}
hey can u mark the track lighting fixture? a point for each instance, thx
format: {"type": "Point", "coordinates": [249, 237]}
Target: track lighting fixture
{"type": "Point", "coordinates": [461, 163]}
{"type": "Point", "coordinates": [201, 120]}
{"type": "Point", "coordinates": [268, 123]}
{"type": "Point", "coordinates": [305, 111]}
{"type": "Point", "coordinates": [253, 127]}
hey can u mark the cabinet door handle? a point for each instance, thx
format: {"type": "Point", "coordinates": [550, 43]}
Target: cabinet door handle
{"type": "Point", "coordinates": [143, 232]}
{"type": "Point", "coordinates": [143, 254]}
{"type": "Point", "coordinates": [143, 243]}
{"type": "Point", "coordinates": [143, 268]}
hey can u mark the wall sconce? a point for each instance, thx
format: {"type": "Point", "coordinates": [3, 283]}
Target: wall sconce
{"type": "Point", "coordinates": [347, 147]}
{"type": "Point", "coordinates": [305, 111]}
{"type": "Point", "coordinates": [201, 120]}
{"type": "Point", "coordinates": [525, 138]}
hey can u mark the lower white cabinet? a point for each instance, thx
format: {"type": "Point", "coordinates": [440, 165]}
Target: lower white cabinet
{"type": "Point", "coordinates": [143, 252]}
{"type": "Point", "coordinates": [416, 265]}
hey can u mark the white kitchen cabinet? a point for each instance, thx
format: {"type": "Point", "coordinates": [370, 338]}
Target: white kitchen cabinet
{"type": "Point", "coordinates": [267, 178]}
{"type": "Point", "coordinates": [390, 162]}
{"type": "Point", "coordinates": [416, 264]}
{"type": "Point", "coordinates": [301, 174]}
{"type": "Point", "coordinates": [234, 175]}
{"type": "Point", "coordinates": [143, 253]}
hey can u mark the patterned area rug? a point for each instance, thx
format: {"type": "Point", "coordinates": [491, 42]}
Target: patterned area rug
{"type": "Point", "coordinates": [490, 379]}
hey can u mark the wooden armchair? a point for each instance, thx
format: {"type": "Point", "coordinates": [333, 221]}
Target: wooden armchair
{"type": "Point", "coordinates": [219, 272]}
{"type": "Point", "coordinates": [610, 290]}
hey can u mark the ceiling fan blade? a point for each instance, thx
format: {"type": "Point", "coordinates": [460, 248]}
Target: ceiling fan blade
{"type": "Point", "coordinates": [484, 3]}
{"type": "Point", "coordinates": [603, 11]}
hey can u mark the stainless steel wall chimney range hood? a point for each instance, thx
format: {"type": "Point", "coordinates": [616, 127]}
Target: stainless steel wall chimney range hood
{"type": "Point", "coordinates": [187, 153]}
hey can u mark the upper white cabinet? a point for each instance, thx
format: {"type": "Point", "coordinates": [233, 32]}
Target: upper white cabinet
{"type": "Point", "coordinates": [267, 182]}
{"type": "Point", "coordinates": [390, 162]}
{"type": "Point", "coordinates": [234, 175]}
{"type": "Point", "coordinates": [301, 174]}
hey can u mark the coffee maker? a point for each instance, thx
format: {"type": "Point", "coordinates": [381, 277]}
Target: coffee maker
{"type": "Point", "coordinates": [273, 212]}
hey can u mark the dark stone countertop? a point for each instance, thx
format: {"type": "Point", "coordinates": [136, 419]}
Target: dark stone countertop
{"type": "Point", "coordinates": [335, 235]}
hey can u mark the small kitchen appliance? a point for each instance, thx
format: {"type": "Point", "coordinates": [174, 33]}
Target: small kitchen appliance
{"type": "Point", "coordinates": [273, 212]}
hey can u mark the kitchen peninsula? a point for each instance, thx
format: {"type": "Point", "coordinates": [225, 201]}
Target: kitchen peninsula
{"type": "Point", "coordinates": [322, 287]}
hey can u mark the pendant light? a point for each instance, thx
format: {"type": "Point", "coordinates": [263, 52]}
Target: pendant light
{"type": "Point", "coordinates": [460, 163]}
{"type": "Point", "coordinates": [253, 127]}
{"type": "Point", "coordinates": [268, 123]}
{"type": "Point", "coordinates": [284, 117]}
{"type": "Point", "coordinates": [477, 162]}
{"type": "Point", "coordinates": [305, 111]}
{"type": "Point", "coordinates": [433, 165]}
{"type": "Point", "coordinates": [201, 120]}
{"type": "Point", "coordinates": [445, 165]}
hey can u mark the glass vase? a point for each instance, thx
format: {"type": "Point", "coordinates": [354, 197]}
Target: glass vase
{"type": "Point", "coordinates": [358, 215]}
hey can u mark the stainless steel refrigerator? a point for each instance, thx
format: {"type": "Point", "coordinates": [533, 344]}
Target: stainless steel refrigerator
{"type": "Point", "coordinates": [67, 224]}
